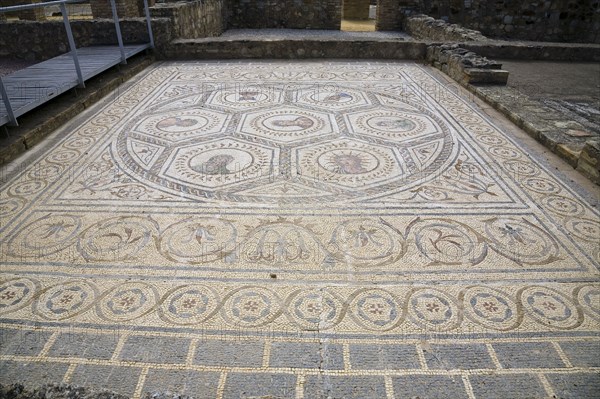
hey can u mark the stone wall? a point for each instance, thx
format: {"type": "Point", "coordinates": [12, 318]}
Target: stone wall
{"type": "Point", "coordinates": [550, 20]}
{"type": "Point", "coordinates": [294, 14]}
{"type": "Point", "coordinates": [356, 9]}
{"type": "Point", "coordinates": [125, 8]}
{"type": "Point", "coordinates": [465, 66]}
{"type": "Point", "coordinates": [424, 27]}
{"type": "Point", "coordinates": [193, 19]}
{"type": "Point", "coordinates": [49, 38]}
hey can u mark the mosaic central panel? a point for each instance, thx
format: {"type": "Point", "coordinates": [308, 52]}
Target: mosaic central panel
{"type": "Point", "coordinates": [343, 197]}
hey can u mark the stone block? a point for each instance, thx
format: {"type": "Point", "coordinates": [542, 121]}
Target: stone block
{"type": "Point", "coordinates": [32, 373]}
{"type": "Point", "coordinates": [582, 353]}
{"type": "Point", "coordinates": [589, 161]}
{"type": "Point", "coordinates": [259, 385]}
{"type": "Point", "coordinates": [496, 386]}
{"type": "Point", "coordinates": [384, 357]}
{"type": "Point", "coordinates": [231, 353]}
{"type": "Point", "coordinates": [151, 349]}
{"type": "Point", "coordinates": [195, 384]}
{"type": "Point", "coordinates": [22, 342]}
{"type": "Point", "coordinates": [429, 386]}
{"type": "Point", "coordinates": [487, 76]}
{"type": "Point", "coordinates": [574, 386]}
{"type": "Point", "coordinates": [458, 356]}
{"type": "Point", "coordinates": [88, 346]}
{"type": "Point", "coordinates": [527, 355]}
{"type": "Point", "coordinates": [307, 355]}
{"type": "Point", "coordinates": [347, 387]}
{"type": "Point", "coordinates": [122, 380]}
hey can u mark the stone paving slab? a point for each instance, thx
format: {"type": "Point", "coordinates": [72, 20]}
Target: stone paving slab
{"type": "Point", "coordinates": [312, 229]}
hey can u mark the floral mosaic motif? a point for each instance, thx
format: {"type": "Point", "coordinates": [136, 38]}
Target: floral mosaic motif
{"type": "Point", "coordinates": [433, 310]}
{"type": "Point", "coordinates": [285, 242]}
{"type": "Point", "coordinates": [366, 242]}
{"type": "Point", "coordinates": [198, 240]}
{"type": "Point", "coordinates": [45, 236]}
{"type": "Point", "coordinates": [66, 300]}
{"type": "Point", "coordinates": [9, 206]}
{"type": "Point", "coordinates": [253, 306]}
{"type": "Point", "coordinates": [376, 309]}
{"type": "Point", "coordinates": [314, 309]}
{"type": "Point", "coordinates": [119, 238]}
{"type": "Point", "coordinates": [589, 299]}
{"type": "Point", "coordinates": [563, 205]}
{"type": "Point", "coordinates": [521, 241]}
{"type": "Point", "coordinates": [189, 304]}
{"type": "Point", "coordinates": [550, 307]}
{"type": "Point", "coordinates": [444, 241]}
{"type": "Point", "coordinates": [16, 293]}
{"type": "Point", "coordinates": [491, 308]}
{"type": "Point", "coordinates": [127, 301]}
{"type": "Point", "coordinates": [585, 229]}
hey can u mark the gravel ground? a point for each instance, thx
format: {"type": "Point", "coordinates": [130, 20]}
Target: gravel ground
{"type": "Point", "coordinates": [64, 391]}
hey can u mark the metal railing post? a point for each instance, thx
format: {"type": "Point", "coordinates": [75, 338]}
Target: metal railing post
{"type": "Point", "coordinates": [118, 29]}
{"type": "Point", "coordinates": [9, 111]}
{"type": "Point", "coordinates": [63, 10]}
{"type": "Point", "coordinates": [150, 34]}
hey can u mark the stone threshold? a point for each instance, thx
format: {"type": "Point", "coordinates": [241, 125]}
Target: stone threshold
{"type": "Point", "coordinates": [39, 123]}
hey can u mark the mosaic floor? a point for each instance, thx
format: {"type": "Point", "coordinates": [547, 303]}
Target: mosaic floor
{"type": "Point", "coordinates": [303, 230]}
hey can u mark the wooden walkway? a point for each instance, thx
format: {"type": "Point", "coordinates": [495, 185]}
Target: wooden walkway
{"type": "Point", "coordinates": [33, 86]}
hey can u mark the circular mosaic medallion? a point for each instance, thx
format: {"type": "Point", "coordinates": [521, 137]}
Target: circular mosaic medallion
{"type": "Point", "coordinates": [519, 169]}
{"type": "Point", "coordinates": [127, 301]}
{"type": "Point", "coordinates": [491, 308]}
{"type": "Point", "coordinates": [178, 125]}
{"type": "Point", "coordinates": [589, 299]}
{"type": "Point", "coordinates": [251, 307]}
{"type": "Point", "coordinates": [445, 241]}
{"type": "Point", "coordinates": [563, 205]}
{"type": "Point", "coordinates": [541, 185]}
{"type": "Point", "coordinates": [585, 229]}
{"type": "Point", "coordinates": [198, 240]}
{"type": "Point", "coordinates": [376, 309]}
{"type": "Point", "coordinates": [433, 310]}
{"type": "Point", "coordinates": [366, 242]}
{"type": "Point", "coordinates": [10, 206]}
{"type": "Point", "coordinates": [16, 294]}
{"type": "Point", "coordinates": [550, 308]}
{"type": "Point", "coordinates": [27, 187]}
{"type": "Point", "coordinates": [521, 241]}
{"type": "Point", "coordinates": [65, 300]}
{"type": "Point", "coordinates": [45, 236]}
{"type": "Point", "coordinates": [349, 163]}
{"type": "Point", "coordinates": [314, 310]}
{"type": "Point", "coordinates": [190, 304]}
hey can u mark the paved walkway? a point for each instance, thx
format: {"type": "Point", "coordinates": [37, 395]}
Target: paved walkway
{"type": "Point", "coordinates": [297, 230]}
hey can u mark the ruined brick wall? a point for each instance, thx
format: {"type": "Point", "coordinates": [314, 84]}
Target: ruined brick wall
{"type": "Point", "coordinates": [294, 14]}
{"type": "Point", "coordinates": [125, 8]}
{"type": "Point", "coordinates": [391, 13]}
{"type": "Point", "coordinates": [550, 20]}
{"type": "Point", "coordinates": [193, 19]}
{"type": "Point", "coordinates": [38, 41]}
{"type": "Point", "coordinates": [356, 9]}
